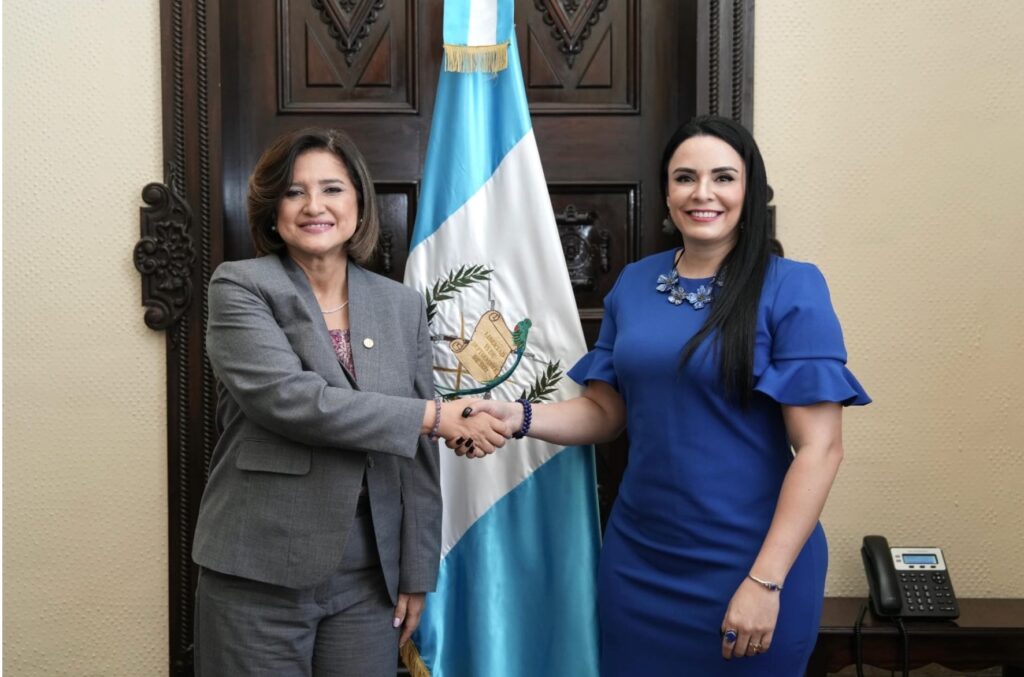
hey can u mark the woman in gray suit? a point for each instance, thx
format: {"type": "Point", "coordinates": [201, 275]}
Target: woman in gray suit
{"type": "Point", "coordinates": [319, 529]}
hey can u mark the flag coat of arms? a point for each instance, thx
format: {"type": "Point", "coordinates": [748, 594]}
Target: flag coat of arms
{"type": "Point", "coordinates": [516, 591]}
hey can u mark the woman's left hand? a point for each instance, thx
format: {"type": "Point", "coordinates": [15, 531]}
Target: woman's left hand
{"type": "Point", "coordinates": [407, 613]}
{"type": "Point", "coordinates": [752, 614]}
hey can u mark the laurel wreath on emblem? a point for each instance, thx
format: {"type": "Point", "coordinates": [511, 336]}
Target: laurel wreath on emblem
{"type": "Point", "coordinates": [457, 280]}
{"type": "Point", "coordinates": [485, 353]}
{"type": "Point", "coordinates": [545, 384]}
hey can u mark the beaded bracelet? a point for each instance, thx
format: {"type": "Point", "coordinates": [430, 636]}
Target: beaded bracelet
{"type": "Point", "coordinates": [527, 419]}
{"type": "Point", "coordinates": [767, 585]}
{"type": "Point", "coordinates": [434, 432]}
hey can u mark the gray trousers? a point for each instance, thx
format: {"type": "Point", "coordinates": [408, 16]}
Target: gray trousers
{"type": "Point", "coordinates": [340, 628]}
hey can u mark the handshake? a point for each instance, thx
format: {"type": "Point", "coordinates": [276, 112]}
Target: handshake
{"type": "Point", "coordinates": [474, 428]}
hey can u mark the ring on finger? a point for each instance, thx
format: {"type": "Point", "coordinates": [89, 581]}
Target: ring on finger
{"type": "Point", "coordinates": [755, 646]}
{"type": "Point", "coordinates": [730, 636]}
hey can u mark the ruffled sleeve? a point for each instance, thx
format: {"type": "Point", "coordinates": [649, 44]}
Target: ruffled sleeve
{"type": "Point", "coordinates": [806, 361]}
{"type": "Point", "coordinates": [597, 365]}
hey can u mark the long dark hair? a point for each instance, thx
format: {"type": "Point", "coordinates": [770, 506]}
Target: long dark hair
{"type": "Point", "coordinates": [733, 317]}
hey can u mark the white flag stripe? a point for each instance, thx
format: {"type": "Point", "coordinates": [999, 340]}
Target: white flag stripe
{"type": "Point", "coordinates": [483, 22]}
{"type": "Point", "coordinates": [470, 488]}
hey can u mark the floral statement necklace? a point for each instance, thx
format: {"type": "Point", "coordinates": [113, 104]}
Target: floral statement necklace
{"type": "Point", "coordinates": [677, 294]}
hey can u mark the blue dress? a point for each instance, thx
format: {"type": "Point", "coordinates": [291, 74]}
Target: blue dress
{"type": "Point", "coordinates": [704, 474]}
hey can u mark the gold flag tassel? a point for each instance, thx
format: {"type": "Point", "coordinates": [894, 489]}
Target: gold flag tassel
{"type": "Point", "coordinates": [413, 663]}
{"type": "Point", "coordinates": [476, 59]}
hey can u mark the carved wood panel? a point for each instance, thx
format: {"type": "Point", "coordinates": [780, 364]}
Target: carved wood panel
{"type": "Point", "coordinates": [597, 224]}
{"type": "Point", "coordinates": [165, 256]}
{"type": "Point", "coordinates": [396, 203]}
{"type": "Point", "coordinates": [580, 56]}
{"type": "Point", "coordinates": [347, 56]}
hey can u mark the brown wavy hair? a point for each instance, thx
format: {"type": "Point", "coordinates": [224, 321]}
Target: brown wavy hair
{"type": "Point", "coordinates": [273, 176]}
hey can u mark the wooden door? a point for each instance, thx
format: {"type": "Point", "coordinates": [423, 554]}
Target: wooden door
{"type": "Point", "coordinates": [607, 82]}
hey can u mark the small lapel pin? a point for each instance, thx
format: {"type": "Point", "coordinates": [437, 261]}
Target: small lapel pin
{"type": "Point", "coordinates": [367, 342]}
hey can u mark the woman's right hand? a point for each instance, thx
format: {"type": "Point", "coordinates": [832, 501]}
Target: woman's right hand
{"type": "Point", "coordinates": [510, 413]}
{"type": "Point", "coordinates": [471, 436]}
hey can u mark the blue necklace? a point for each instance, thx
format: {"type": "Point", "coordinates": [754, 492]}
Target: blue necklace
{"type": "Point", "coordinates": [677, 294]}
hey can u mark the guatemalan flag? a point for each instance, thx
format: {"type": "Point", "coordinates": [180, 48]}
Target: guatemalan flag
{"type": "Point", "coordinates": [516, 593]}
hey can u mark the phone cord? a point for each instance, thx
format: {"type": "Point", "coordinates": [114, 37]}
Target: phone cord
{"type": "Point", "coordinates": [906, 646]}
{"type": "Point", "coordinates": [858, 651]}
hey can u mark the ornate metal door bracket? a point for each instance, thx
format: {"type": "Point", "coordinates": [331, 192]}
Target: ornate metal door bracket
{"type": "Point", "coordinates": [165, 255]}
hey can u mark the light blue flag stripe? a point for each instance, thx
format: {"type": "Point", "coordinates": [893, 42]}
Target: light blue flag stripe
{"type": "Point", "coordinates": [490, 574]}
{"type": "Point", "coordinates": [505, 27]}
{"type": "Point", "coordinates": [456, 22]}
{"type": "Point", "coordinates": [478, 118]}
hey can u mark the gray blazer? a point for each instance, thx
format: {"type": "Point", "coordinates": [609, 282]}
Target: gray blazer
{"type": "Point", "coordinates": [298, 434]}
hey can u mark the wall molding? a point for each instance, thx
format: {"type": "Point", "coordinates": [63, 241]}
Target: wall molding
{"type": "Point", "coordinates": [180, 245]}
{"type": "Point", "coordinates": [725, 59]}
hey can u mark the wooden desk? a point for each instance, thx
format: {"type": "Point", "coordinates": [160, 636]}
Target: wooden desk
{"type": "Point", "coordinates": [989, 632]}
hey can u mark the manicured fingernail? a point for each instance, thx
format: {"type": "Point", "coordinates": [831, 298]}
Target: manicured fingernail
{"type": "Point", "coordinates": [466, 412]}
{"type": "Point", "coordinates": [460, 440]}
{"type": "Point", "coordinates": [395, 623]}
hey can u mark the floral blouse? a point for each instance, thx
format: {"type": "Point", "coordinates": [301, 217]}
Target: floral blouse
{"type": "Point", "coordinates": [342, 340]}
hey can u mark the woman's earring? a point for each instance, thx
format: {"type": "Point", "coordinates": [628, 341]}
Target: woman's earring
{"type": "Point", "coordinates": [667, 226]}
{"type": "Point", "coordinates": [273, 229]}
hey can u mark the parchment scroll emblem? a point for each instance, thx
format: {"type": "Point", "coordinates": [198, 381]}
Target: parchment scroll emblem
{"type": "Point", "coordinates": [473, 364]}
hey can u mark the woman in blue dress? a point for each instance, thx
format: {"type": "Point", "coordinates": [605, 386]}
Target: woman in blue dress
{"type": "Point", "coordinates": [726, 365]}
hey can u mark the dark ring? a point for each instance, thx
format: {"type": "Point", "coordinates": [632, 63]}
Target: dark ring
{"type": "Point", "coordinates": [466, 412]}
{"type": "Point", "coordinates": [730, 636]}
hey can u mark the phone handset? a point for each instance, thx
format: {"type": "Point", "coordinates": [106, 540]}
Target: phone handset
{"type": "Point", "coordinates": [908, 582]}
{"type": "Point", "coordinates": [905, 583]}
{"type": "Point", "coordinates": [882, 583]}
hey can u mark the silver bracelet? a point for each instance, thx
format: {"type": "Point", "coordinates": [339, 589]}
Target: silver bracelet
{"type": "Point", "coordinates": [767, 585]}
{"type": "Point", "coordinates": [437, 419]}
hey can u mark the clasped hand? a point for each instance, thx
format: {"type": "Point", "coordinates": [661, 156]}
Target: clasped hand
{"type": "Point", "coordinates": [470, 430]}
{"type": "Point", "coordinates": [496, 417]}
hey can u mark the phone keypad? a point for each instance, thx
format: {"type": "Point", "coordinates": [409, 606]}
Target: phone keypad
{"type": "Point", "coordinates": [927, 593]}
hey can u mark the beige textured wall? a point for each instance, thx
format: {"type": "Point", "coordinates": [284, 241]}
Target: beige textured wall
{"type": "Point", "coordinates": [85, 517]}
{"type": "Point", "coordinates": [893, 137]}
